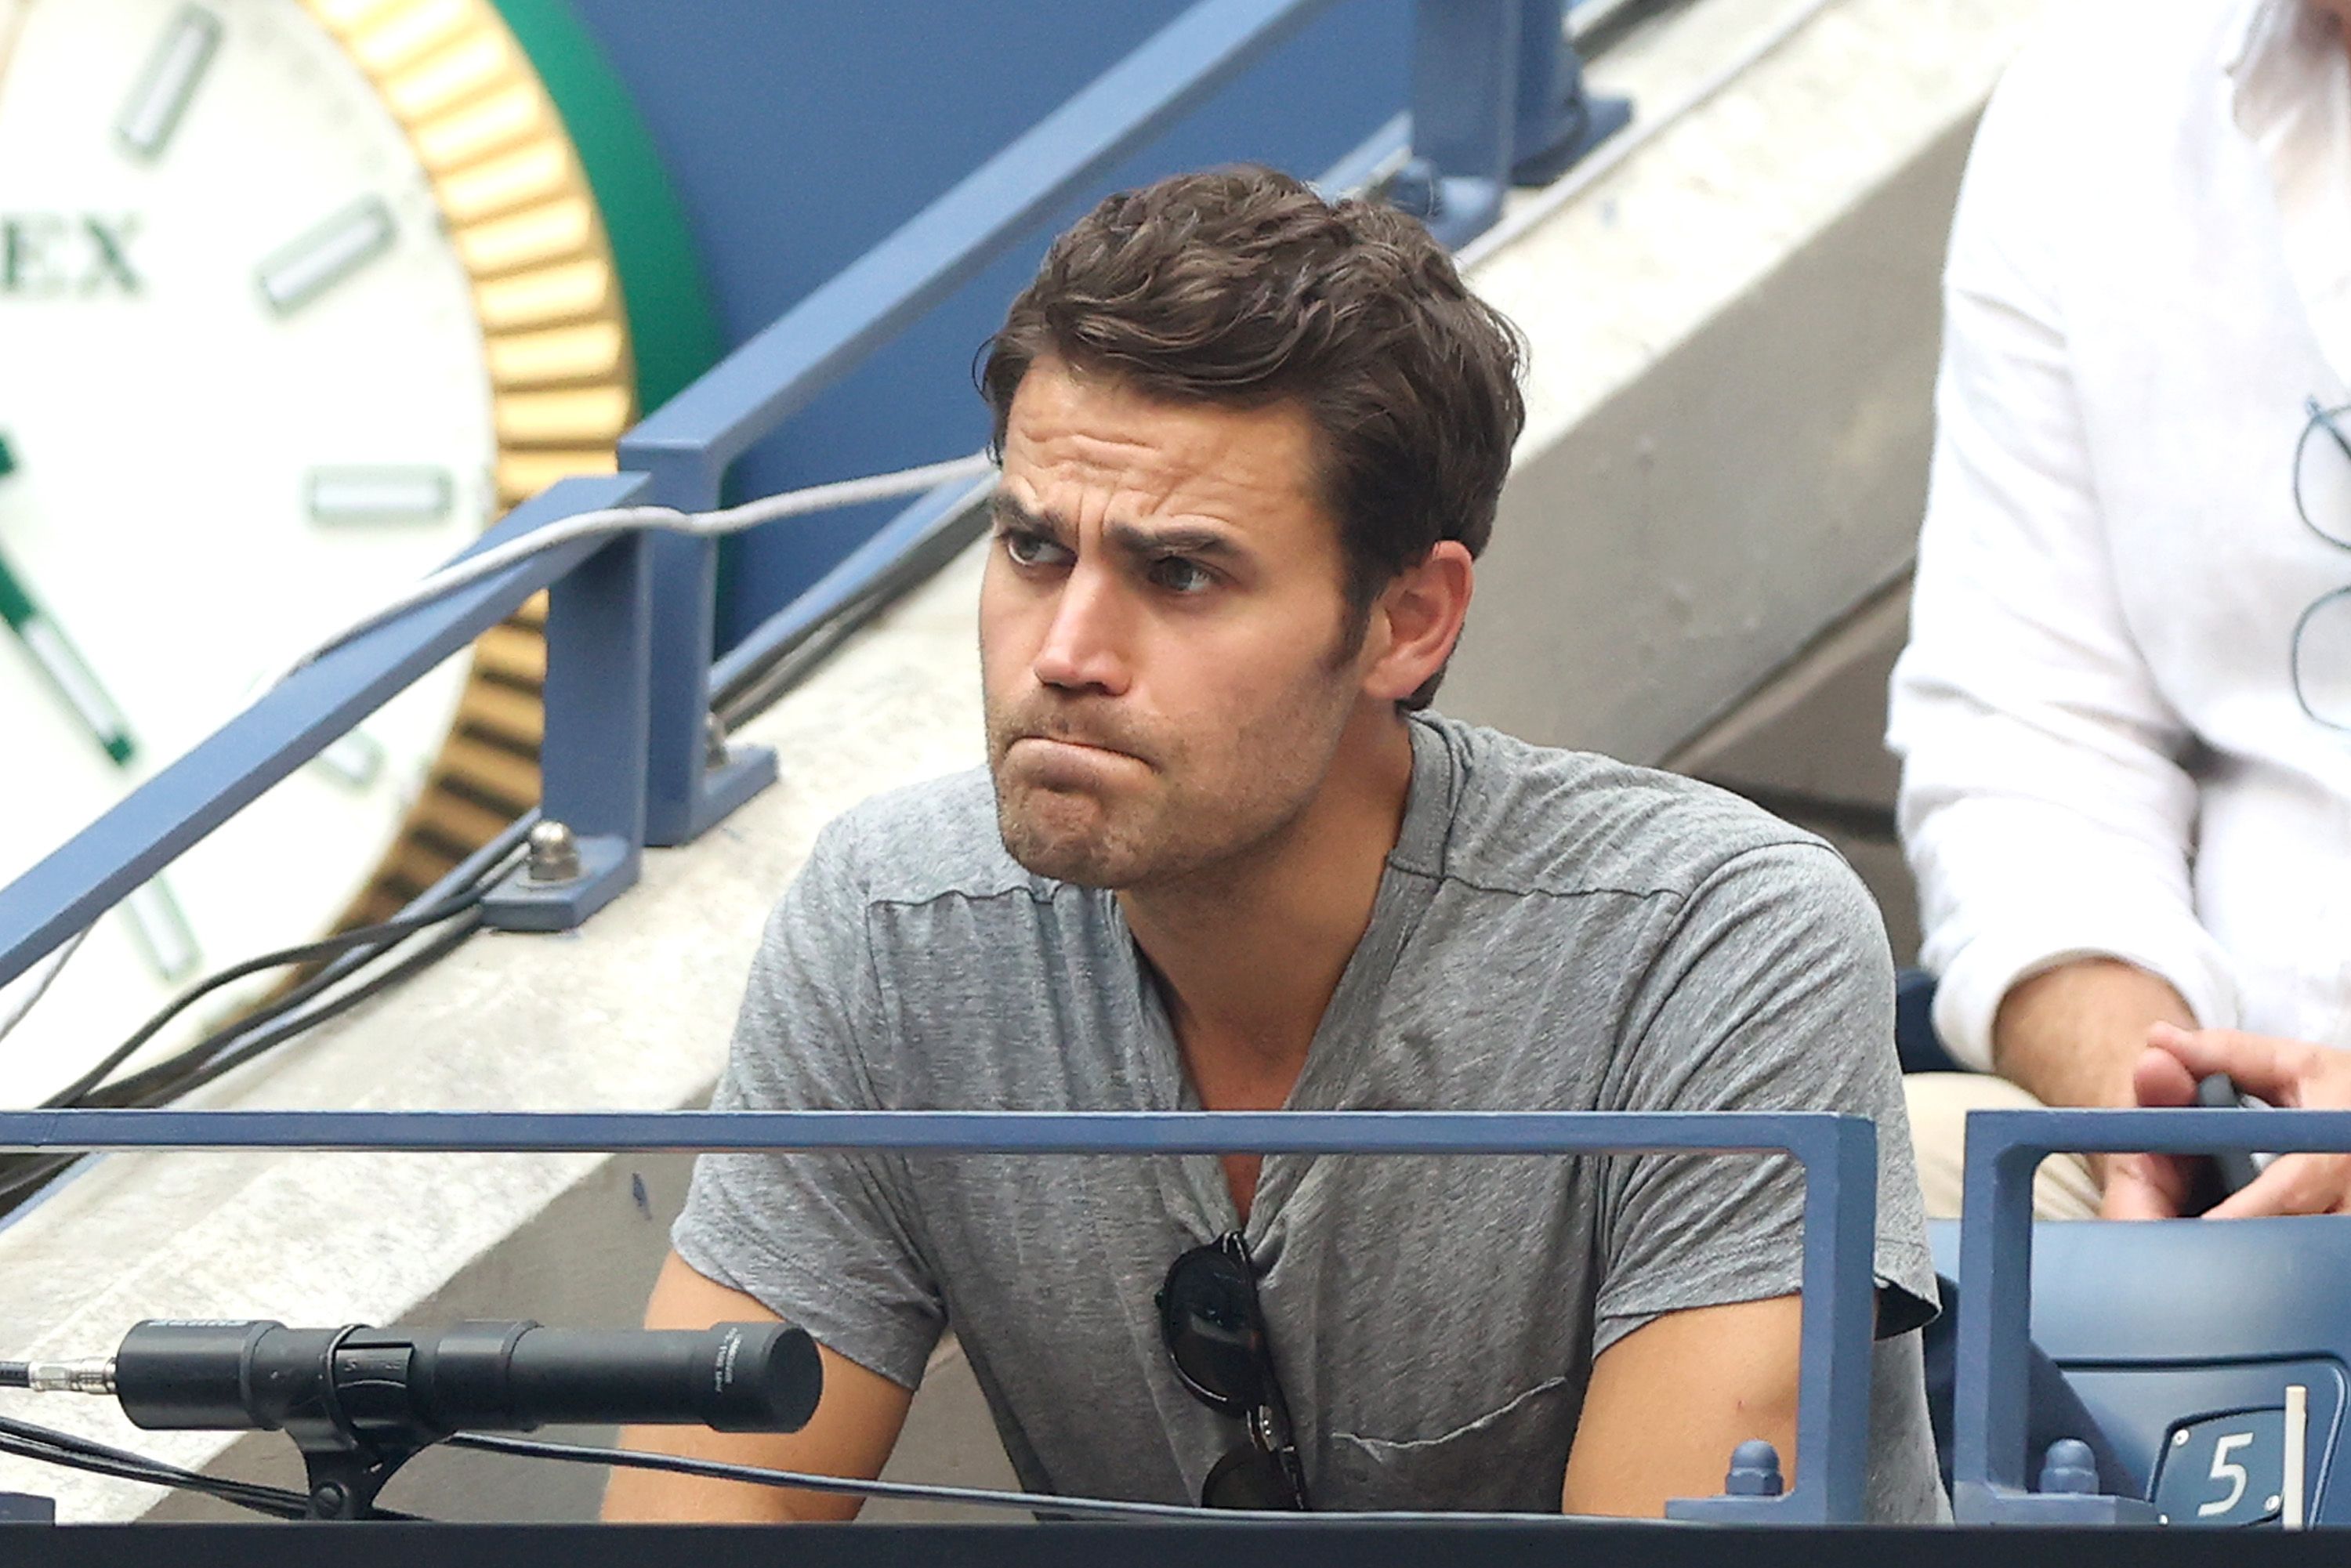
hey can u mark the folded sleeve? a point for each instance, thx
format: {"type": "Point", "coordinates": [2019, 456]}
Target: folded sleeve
{"type": "Point", "coordinates": [2044, 807]}
{"type": "Point", "coordinates": [825, 1240]}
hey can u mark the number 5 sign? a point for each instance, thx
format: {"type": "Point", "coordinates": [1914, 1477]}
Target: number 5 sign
{"type": "Point", "coordinates": [2233, 1470]}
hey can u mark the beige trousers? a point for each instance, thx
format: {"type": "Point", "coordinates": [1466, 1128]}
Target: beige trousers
{"type": "Point", "coordinates": [1939, 1103]}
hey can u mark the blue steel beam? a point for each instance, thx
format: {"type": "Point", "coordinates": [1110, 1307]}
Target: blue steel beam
{"type": "Point", "coordinates": [809, 348]}
{"type": "Point", "coordinates": [283, 730]}
{"type": "Point", "coordinates": [1988, 1477]}
{"type": "Point", "coordinates": [1838, 1153]}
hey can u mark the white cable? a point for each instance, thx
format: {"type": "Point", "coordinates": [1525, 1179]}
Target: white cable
{"type": "Point", "coordinates": [56, 962]}
{"type": "Point", "coordinates": [623, 519]}
{"type": "Point", "coordinates": [586, 525]}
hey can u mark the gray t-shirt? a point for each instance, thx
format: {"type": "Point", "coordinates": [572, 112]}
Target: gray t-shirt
{"type": "Point", "coordinates": [1554, 931]}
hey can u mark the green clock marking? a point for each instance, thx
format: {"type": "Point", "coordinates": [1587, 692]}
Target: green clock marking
{"type": "Point", "coordinates": [47, 646]}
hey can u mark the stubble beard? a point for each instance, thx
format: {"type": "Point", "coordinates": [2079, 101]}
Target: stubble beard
{"type": "Point", "coordinates": [1188, 831]}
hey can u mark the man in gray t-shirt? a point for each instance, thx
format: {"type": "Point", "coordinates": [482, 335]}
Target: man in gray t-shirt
{"type": "Point", "coordinates": [1219, 859]}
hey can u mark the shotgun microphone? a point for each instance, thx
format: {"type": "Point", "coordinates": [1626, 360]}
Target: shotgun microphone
{"type": "Point", "coordinates": [407, 1385]}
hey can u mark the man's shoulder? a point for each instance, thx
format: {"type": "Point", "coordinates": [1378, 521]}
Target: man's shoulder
{"type": "Point", "coordinates": [923, 842]}
{"type": "Point", "coordinates": [1539, 821]}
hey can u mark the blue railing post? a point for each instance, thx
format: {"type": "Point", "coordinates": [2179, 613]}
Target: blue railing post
{"type": "Point", "coordinates": [592, 767]}
{"type": "Point", "coordinates": [1465, 77]}
{"type": "Point", "coordinates": [1558, 121]}
{"type": "Point", "coordinates": [1498, 100]}
{"type": "Point", "coordinates": [1991, 1473]}
{"type": "Point", "coordinates": [690, 782]}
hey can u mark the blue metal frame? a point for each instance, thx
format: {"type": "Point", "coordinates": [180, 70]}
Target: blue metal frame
{"type": "Point", "coordinates": [289, 724]}
{"type": "Point", "coordinates": [630, 641]}
{"type": "Point", "coordinates": [1838, 1153]}
{"type": "Point", "coordinates": [1988, 1473]}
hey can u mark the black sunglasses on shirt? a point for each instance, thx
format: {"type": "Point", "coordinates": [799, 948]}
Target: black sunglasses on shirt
{"type": "Point", "coordinates": [1210, 1322]}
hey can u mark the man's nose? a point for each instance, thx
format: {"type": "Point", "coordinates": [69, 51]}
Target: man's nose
{"type": "Point", "coordinates": [1085, 643]}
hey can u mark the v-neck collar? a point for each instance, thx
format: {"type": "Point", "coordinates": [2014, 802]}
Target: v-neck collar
{"type": "Point", "coordinates": [1193, 1186]}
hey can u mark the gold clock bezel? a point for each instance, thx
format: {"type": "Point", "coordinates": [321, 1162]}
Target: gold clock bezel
{"type": "Point", "coordinates": [525, 223]}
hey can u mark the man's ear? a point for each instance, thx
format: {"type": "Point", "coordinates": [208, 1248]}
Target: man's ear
{"type": "Point", "coordinates": [1416, 620]}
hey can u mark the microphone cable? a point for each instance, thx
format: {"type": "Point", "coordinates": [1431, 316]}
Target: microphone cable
{"type": "Point", "coordinates": [45, 1445]}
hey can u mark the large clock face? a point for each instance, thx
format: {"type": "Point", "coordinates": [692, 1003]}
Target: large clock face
{"type": "Point", "coordinates": [244, 398]}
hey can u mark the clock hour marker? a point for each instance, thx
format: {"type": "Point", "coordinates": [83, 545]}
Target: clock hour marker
{"type": "Point", "coordinates": [169, 82]}
{"type": "Point", "coordinates": [379, 495]}
{"type": "Point", "coordinates": [309, 266]}
{"type": "Point", "coordinates": [163, 930]}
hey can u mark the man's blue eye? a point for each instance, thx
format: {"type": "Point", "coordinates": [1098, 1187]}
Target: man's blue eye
{"type": "Point", "coordinates": [1028, 549]}
{"type": "Point", "coordinates": [1180, 575]}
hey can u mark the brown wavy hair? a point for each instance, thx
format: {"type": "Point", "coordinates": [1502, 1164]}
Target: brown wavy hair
{"type": "Point", "coordinates": [1243, 287]}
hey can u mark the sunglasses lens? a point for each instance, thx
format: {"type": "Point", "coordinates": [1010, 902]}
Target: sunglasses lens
{"type": "Point", "coordinates": [1208, 1311]}
{"type": "Point", "coordinates": [1248, 1477]}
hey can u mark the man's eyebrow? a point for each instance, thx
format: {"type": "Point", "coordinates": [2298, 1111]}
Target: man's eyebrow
{"type": "Point", "coordinates": [1173, 539]}
{"type": "Point", "coordinates": [1008, 513]}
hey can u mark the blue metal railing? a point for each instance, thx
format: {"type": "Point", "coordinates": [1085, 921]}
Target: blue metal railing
{"type": "Point", "coordinates": [1838, 1153]}
{"type": "Point", "coordinates": [626, 760]}
{"type": "Point", "coordinates": [1989, 1481]}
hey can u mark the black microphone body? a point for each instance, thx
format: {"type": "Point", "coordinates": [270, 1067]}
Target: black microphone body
{"type": "Point", "coordinates": [419, 1386]}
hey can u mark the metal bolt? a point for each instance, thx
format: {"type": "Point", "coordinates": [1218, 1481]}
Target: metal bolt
{"type": "Point", "coordinates": [714, 743]}
{"type": "Point", "coordinates": [2069, 1469]}
{"type": "Point", "coordinates": [2273, 1504]}
{"type": "Point", "coordinates": [2180, 1439]}
{"type": "Point", "coordinates": [1754, 1470]}
{"type": "Point", "coordinates": [554, 854]}
{"type": "Point", "coordinates": [329, 1498]}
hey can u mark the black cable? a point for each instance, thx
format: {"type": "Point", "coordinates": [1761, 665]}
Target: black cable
{"type": "Point", "coordinates": [803, 1480]}
{"type": "Point", "coordinates": [49, 1446]}
{"type": "Point", "coordinates": [245, 1047]}
{"type": "Point", "coordinates": [21, 1174]}
{"type": "Point", "coordinates": [328, 947]}
{"type": "Point", "coordinates": [16, 1374]}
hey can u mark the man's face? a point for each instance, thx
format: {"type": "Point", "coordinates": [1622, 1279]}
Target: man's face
{"type": "Point", "coordinates": [1164, 636]}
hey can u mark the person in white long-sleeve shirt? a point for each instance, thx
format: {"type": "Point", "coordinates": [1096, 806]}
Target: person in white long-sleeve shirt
{"type": "Point", "coordinates": [2124, 712]}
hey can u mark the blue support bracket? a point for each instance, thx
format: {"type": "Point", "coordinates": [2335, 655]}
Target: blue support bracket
{"type": "Point", "coordinates": [284, 729]}
{"type": "Point", "coordinates": [1988, 1473]}
{"type": "Point", "coordinates": [693, 776]}
{"type": "Point", "coordinates": [1838, 1153]}
{"type": "Point", "coordinates": [1559, 119]}
{"type": "Point", "coordinates": [1839, 1320]}
{"type": "Point", "coordinates": [1498, 98]}
{"type": "Point", "coordinates": [598, 653]}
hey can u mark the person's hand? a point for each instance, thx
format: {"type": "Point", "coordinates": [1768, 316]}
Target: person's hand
{"type": "Point", "coordinates": [2285, 1073]}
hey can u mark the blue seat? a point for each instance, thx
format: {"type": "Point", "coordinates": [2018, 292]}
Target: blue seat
{"type": "Point", "coordinates": [2182, 1338]}
{"type": "Point", "coordinates": [1915, 1039]}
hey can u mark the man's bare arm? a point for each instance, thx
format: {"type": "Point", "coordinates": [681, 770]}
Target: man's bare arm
{"type": "Point", "coordinates": [852, 1434]}
{"type": "Point", "coordinates": [2072, 1034]}
{"type": "Point", "coordinates": [1670, 1400]}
